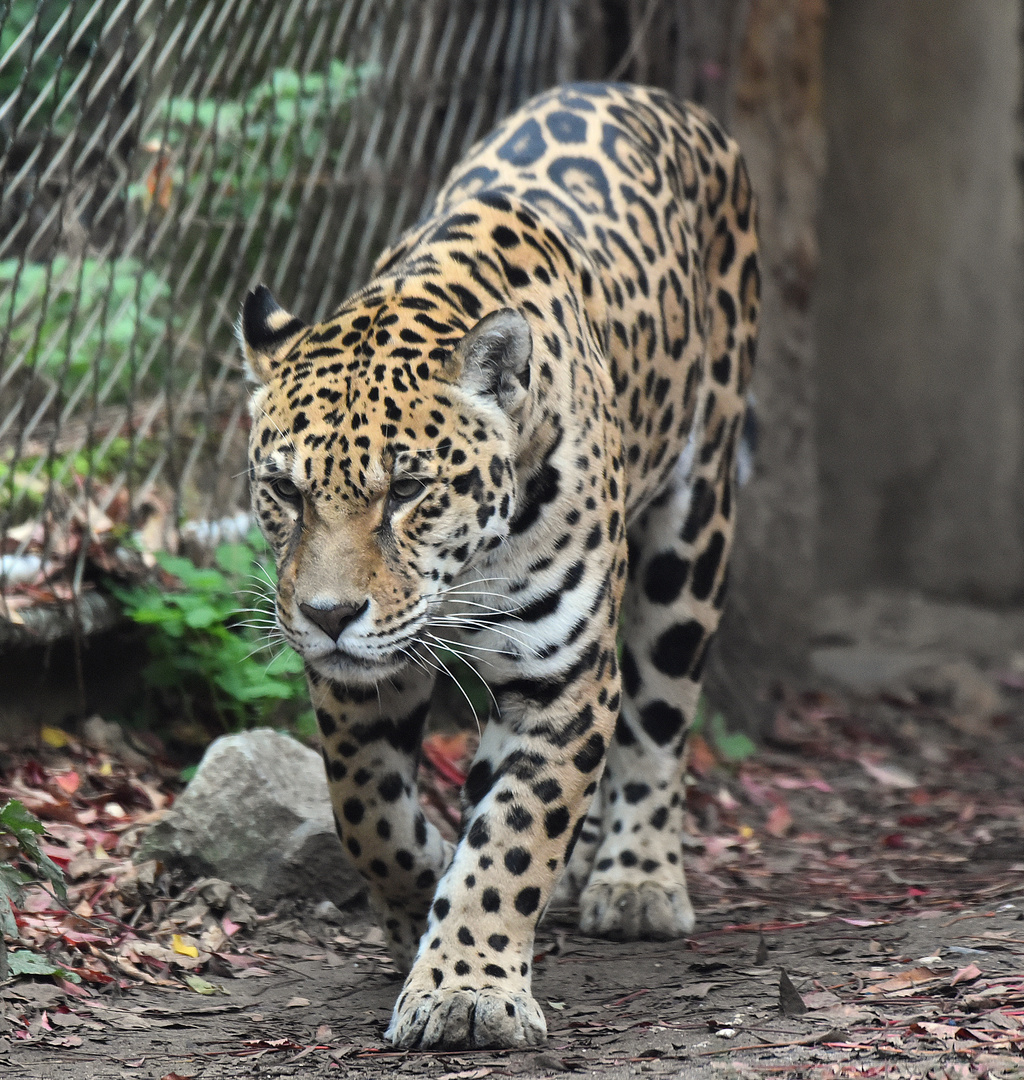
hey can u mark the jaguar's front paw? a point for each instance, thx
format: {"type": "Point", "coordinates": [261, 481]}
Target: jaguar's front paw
{"type": "Point", "coordinates": [629, 911]}
{"type": "Point", "coordinates": [486, 1018]}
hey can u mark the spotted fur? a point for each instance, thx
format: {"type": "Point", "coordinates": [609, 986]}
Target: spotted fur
{"type": "Point", "coordinates": [519, 438]}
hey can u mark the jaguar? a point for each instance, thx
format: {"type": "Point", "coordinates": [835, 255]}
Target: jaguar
{"type": "Point", "coordinates": [518, 442]}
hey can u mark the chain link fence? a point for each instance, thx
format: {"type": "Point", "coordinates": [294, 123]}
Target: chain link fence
{"type": "Point", "coordinates": [158, 157]}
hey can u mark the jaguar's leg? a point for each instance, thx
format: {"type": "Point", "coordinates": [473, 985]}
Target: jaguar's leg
{"type": "Point", "coordinates": [577, 873]}
{"type": "Point", "coordinates": [526, 800]}
{"type": "Point", "coordinates": [678, 557]}
{"type": "Point", "coordinates": [371, 741]}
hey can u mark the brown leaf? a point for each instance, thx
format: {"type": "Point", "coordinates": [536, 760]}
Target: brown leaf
{"type": "Point", "coordinates": [790, 1001]}
{"type": "Point", "coordinates": [905, 982]}
{"type": "Point", "coordinates": [966, 974]}
{"type": "Point", "coordinates": [780, 820]}
{"type": "Point", "coordinates": [821, 999]}
{"type": "Point", "coordinates": [890, 776]}
{"type": "Point", "coordinates": [696, 990]}
{"type": "Point", "coordinates": [761, 956]}
{"type": "Point", "coordinates": [936, 1031]}
{"type": "Point", "coordinates": [702, 758]}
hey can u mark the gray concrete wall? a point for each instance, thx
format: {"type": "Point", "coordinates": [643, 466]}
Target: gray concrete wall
{"type": "Point", "coordinates": [920, 314]}
{"type": "Point", "coordinates": [778, 122]}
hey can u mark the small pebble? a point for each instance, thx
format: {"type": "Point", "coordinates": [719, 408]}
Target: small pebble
{"type": "Point", "coordinates": [329, 912]}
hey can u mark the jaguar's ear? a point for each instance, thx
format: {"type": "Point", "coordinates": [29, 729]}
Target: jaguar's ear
{"type": "Point", "coordinates": [266, 333]}
{"type": "Point", "coordinates": [494, 358]}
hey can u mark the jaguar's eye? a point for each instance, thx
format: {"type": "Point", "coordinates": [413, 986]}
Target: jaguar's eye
{"type": "Point", "coordinates": [406, 488]}
{"type": "Point", "coordinates": [285, 490]}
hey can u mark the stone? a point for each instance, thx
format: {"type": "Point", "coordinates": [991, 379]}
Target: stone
{"type": "Point", "coordinates": [865, 668]}
{"type": "Point", "coordinates": [110, 738]}
{"type": "Point", "coordinates": [329, 912]}
{"type": "Point", "coordinates": [257, 814]}
{"type": "Point", "coordinates": [969, 698]}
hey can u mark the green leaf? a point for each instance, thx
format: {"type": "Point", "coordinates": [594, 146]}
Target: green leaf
{"type": "Point", "coordinates": [235, 559]}
{"type": "Point", "coordinates": [257, 541]}
{"type": "Point", "coordinates": [25, 827]}
{"type": "Point", "coordinates": [200, 650]}
{"type": "Point", "coordinates": [15, 819]}
{"type": "Point", "coordinates": [700, 717]}
{"type": "Point", "coordinates": [201, 986]}
{"type": "Point", "coordinates": [306, 726]}
{"type": "Point", "coordinates": [192, 576]}
{"type": "Point", "coordinates": [152, 609]}
{"type": "Point", "coordinates": [11, 881]}
{"type": "Point", "coordinates": [200, 616]}
{"type": "Point", "coordinates": [206, 113]}
{"type": "Point", "coordinates": [23, 962]}
{"type": "Point", "coordinates": [286, 83]}
{"type": "Point", "coordinates": [732, 746]}
{"type": "Point", "coordinates": [286, 663]}
{"type": "Point", "coordinates": [249, 684]}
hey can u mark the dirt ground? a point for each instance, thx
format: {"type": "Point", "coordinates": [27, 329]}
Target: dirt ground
{"type": "Point", "coordinates": [708, 1006]}
{"type": "Point", "coordinates": [860, 894]}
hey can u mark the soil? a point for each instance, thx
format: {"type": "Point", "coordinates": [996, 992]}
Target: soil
{"type": "Point", "coordinates": [860, 894]}
{"type": "Point", "coordinates": [707, 1006]}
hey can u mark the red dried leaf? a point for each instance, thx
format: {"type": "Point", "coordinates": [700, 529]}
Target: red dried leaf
{"type": "Point", "coordinates": [702, 758]}
{"type": "Point", "coordinates": [779, 821]}
{"type": "Point", "coordinates": [447, 753]}
{"type": "Point", "coordinates": [68, 782]}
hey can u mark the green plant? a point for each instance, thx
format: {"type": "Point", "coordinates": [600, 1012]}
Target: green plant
{"type": "Point", "coordinates": [203, 650]}
{"type": "Point", "coordinates": [25, 485]}
{"type": "Point", "coordinates": [732, 747]}
{"type": "Point", "coordinates": [252, 145]}
{"type": "Point", "coordinates": [73, 320]}
{"type": "Point", "coordinates": [24, 23]}
{"type": "Point", "coordinates": [19, 847]}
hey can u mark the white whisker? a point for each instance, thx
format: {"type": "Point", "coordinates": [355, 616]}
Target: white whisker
{"type": "Point", "coordinates": [477, 626]}
{"type": "Point", "coordinates": [462, 690]}
{"type": "Point", "coordinates": [490, 608]}
{"type": "Point", "coordinates": [453, 645]}
{"type": "Point", "coordinates": [454, 648]}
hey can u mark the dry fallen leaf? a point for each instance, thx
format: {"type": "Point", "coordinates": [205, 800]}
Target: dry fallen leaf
{"type": "Point", "coordinates": [696, 990]}
{"type": "Point", "coordinates": [179, 946]}
{"type": "Point", "coordinates": [906, 982]}
{"type": "Point", "coordinates": [890, 776]}
{"type": "Point", "coordinates": [966, 974]}
{"type": "Point", "coordinates": [780, 820]}
{"type": "Point", "coordinates": [821, 999]}
{"type": "Point", "coordinates": [790, 1001]}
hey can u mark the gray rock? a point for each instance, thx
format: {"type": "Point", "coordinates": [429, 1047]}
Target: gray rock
{"type": "Point", "coordinates": [257, 814]}
{"type": "Point", "coordinates": [866, 669]}
{"type": "Point", "coordinates": [329, 912]}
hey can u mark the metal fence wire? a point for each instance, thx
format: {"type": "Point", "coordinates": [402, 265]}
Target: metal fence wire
{"type": "Point", "coordinates": [158, 157]}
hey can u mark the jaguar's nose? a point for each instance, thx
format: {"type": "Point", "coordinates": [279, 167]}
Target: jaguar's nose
{"type": "Point", "coordinates": [332, 620]}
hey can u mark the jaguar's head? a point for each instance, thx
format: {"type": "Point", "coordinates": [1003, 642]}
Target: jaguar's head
{"type": "Point", "coordinates": [381, 466]}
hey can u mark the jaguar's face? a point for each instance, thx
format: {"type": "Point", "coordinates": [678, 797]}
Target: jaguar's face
{"type": "Point", "coordinates": [377, 480]}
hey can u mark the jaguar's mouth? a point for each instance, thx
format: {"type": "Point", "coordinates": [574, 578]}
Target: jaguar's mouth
{"type": "Point", "coordinates": [344, 667]}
